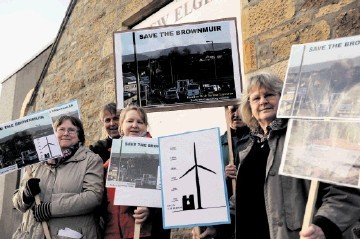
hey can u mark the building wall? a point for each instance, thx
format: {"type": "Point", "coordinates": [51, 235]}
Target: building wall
{"type": "Point", "coordinates": [14, 94]}
{"type": "Point", "coordinates": [82, 66]}
{"type": "Point", "coordinates": [26, 79]}
{"type": "Point", "coordinates": [10, 218]}
{"type": "Point", "coordinates": [270, 27]}
{"type": "Point", "coordinates": [7, 99]}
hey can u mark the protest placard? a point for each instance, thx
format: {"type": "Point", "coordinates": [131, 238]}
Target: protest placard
{"type": "Point", "coordinates": [135, 172]}
{"type": "Point", "coordinates": [327, 151]}
{"type": "Point", "coordinates": [193, 182]}
{"type": "Point", "coordinates": [323, 80]}
{"type": "Point", "coordinates": [26, 141]}
{"type": "Point", "coordinates": [70, 108]}
{"type": "Point", "coordinates": [179, 64]}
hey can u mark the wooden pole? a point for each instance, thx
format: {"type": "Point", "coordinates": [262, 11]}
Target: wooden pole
{"type": "Point", "coordinates": [310, 205]}
{"type": "Point", "coordinates": [231, 161]}
{"type": "Point", "coordinates": [137, 229]}
{"type": "Point", "coordinates": [197, 232]}
{"type": "Point", "coordinates": [37, 201]}
{"type": "Point", "coordinates": [231, 155]}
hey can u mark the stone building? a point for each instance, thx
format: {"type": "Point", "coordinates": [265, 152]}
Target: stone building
{"type": "Point", "coordinates": [80, 63]}
{"type": "Point", "coordinates": [16, 90]}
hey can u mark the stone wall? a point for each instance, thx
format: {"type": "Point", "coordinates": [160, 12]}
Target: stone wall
{"type": "Point", "coordinates": [271, 27]}
{"type": "Point", "coordinates": [15, 92]}
{"type": "Point", "coordinates": [7, 99]}
{"type": "Point", "coordinates": [83, 65]}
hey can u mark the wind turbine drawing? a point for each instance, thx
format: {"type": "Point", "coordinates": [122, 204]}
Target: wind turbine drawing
{"type": "Point", "coordinates": [48, 145]}
{"type": "Point", "coordinates": [196, 178]}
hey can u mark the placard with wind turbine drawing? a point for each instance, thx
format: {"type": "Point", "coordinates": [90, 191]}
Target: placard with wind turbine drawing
{"type": "Point", "coordinates": [193, 181]}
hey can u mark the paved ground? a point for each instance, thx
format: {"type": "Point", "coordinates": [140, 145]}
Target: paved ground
{"type": "Point", "coordinates": [181, 233]}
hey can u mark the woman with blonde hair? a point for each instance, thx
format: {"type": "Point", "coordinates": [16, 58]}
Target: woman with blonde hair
{"type": "Point", "coordinates": [133, 122]}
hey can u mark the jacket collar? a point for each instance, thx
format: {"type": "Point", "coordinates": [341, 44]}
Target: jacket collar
{"type": "Point", "coordinates": [259, 135]}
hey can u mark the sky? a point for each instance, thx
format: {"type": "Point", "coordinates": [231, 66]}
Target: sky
{"type": "Point", "coordinates": [27, 28]}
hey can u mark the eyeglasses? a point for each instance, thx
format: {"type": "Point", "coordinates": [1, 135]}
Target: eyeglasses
{"type": "Point", "coordinates": [267, 96]}
{"type": "Point", "coordinates": [108, 120]}
{"type": "Point", "coordinates": [70, 131]}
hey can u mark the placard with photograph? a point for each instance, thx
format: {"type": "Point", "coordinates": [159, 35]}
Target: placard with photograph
{"type": "Point", "coordinates": [135, 172]}
{"type": "Point", "coordinates": [193, 181]}
{"type": "Point", "coordinates": [323, 80]}
{"type": "Point", "coordinates": [327, 151]}
{"type": "Point", "coordinates": [178, 64]}
{"type": "Point", "coordinates": [26, 141]}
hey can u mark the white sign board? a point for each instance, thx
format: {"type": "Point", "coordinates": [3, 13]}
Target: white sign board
{"type": "Point", "coordinates": [193, 181]}
{"type": "Point", "coordinates": [135, 172]}
{"type": "Point", "coordinates": [328, 151]}
{"type": "Point", "coordinates": [323, 80]}
{"type": "Point", "coordinates": [26, 141]}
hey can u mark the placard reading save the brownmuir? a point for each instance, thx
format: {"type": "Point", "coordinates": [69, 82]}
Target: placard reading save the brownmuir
{"type": "Point", "coordinates": [181, 64]}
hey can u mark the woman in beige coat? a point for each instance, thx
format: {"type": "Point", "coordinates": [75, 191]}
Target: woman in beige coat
{"type": "Point", "coordinates": [70, 188]}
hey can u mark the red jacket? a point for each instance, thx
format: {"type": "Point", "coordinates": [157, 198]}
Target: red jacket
{"type": "Point", "coordinates": [120, 222]}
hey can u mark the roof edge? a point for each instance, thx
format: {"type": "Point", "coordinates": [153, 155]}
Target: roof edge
{"type": "Point", "coordinates": [51, 55]}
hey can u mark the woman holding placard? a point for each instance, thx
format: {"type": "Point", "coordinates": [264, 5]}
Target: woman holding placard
{"type": "Point", "coordinates": [269, 205]}
{"type": "Point", "coordinates": [70, 189]}
{"type": "Point", "coordinates": [122, 219]}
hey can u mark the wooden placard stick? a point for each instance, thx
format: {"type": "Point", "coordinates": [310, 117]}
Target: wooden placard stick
{"type": "Point", "coordinates": [231, 155]}
{"type": "Point", "coordinates": [137, 229]}
{"type": "Point", "coordinates": [310, 205]}
{"type": "Point", "coordinates": [231, 161]}
{"type": "Point", "coordinates": [197, 232]}
{"type": "Point", "coordinates": [37, 201]}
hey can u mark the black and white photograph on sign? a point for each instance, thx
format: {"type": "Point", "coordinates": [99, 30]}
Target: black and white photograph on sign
{"type": "Point", "coordinates": [134, 171]}
{"type": "Point", "coordinates": [195, 62]}
{"type": "Point", "coordinates": [327, 151]}
{"type": "Point", "coordinates": [193, 182]}
{"type": "Point", "coordinates": [71, 109]}
{"type": "Point", "coordinates": [26, 141]}
{"type": "Point", "coordinates": [323, 80]}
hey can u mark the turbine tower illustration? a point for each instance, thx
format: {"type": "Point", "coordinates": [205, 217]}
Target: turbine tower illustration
{"type": "Point", "coordinates": [197, 177]}
{"type": "Point", "coordinates": [48, 145]}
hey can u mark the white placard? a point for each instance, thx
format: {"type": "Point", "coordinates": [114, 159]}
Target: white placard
{"type": "Point", "coordinates": [327, 151]}
{"type": "Point", "coordinates": [193, 181]}
{"type": "Point", "coordinates": [26, 141]}
{"type": "Point", "coordinates": [134, 171]}
{"type": "Point", "coordinates": [323, 80]}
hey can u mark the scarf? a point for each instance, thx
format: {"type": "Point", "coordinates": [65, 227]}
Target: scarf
{"type": "Point", "coordinates": [259, 135]}
{"type": "Point", "coordinates": [67, 153]}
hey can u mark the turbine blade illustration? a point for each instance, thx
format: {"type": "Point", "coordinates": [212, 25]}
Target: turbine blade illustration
{"type": "Point", "coordinates": [188, 171]}
{"type": "Point", "coordinates": [206, 169]}
{"type": "Point", "coordinates": [197, 180]}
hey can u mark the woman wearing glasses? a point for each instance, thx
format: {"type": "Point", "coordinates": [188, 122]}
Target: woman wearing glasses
{"type": "Point", "coordinates": [269, 205]}
{"type": "Point", "coordinates": [70, 188]}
